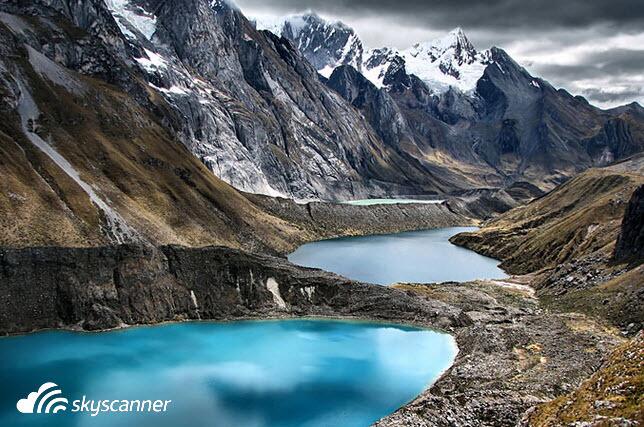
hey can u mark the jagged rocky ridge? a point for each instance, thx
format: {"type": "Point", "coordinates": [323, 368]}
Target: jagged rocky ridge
{"type": "Point", "coordinates": [251, 107]}
{"type": "Point", "coordinates": [325, 44]}
{"type": "Point", "coordinates": [90, 146]}
{"type": "Point", "coordinates": [246, 103]}
{"type": "Point", "coordinates": [478, 115]}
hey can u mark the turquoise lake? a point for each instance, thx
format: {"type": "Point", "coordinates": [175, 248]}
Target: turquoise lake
{"type": "Point", "coordinates": [269, 373]}
{"type": "Point", "coordinates": [416, 256]}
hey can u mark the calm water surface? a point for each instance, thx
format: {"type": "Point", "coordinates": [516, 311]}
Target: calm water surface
{"type": "Point", "coordinates": [417, 256]}
{"type": "Point", "coordinates": [274, 373]}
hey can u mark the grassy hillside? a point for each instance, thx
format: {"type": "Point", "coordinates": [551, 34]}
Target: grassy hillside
{"type": "Point", "coordinates": [613, 396]}
{"type": "Point", "coordinates": [566, 241]}
{"type": "Point", "coordinates": [578, 218]}
{"type": "Point", "coordinates": [129, 160]}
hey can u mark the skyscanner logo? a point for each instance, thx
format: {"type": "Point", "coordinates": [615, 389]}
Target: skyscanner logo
{"type": "Point", "coordinates": [47, 399]}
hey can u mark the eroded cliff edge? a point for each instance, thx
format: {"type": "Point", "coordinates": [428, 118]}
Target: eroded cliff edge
{"type": "Point", "coordinates": [109, 287]}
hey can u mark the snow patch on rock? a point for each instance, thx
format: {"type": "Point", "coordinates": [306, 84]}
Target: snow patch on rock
{"type": "Point", "coordinates": [153, 62]}
{"type": "Point", "coordinates": [132, 17]}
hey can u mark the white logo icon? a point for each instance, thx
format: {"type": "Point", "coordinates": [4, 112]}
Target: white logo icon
{"type": "Point", "coordinates": [47, 399]}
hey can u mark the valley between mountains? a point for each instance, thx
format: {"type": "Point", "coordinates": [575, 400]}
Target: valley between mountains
{"type": "Point", "coordinates": [159, 160]}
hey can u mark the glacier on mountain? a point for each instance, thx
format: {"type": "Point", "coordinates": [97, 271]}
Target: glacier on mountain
{"type": "Point", "coordinates": [449, 61]}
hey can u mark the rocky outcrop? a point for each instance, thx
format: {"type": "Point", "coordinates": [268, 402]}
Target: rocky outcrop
{"type": "Point", "coordinates": [113, 286]}
{"type": "Point", "coordinates": [630, 243]}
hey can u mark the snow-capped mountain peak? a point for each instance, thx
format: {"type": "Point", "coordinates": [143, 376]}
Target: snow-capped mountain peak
{"type": "Point", "coordinates": [449, 61]}
{"type": "Point", "coordinates": [454, 45]}
{"type": "Point", "coordinates": [326, 44]}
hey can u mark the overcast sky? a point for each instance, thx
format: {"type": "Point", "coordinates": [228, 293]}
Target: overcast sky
{"type": "Point", "coordinates": [593, 48]}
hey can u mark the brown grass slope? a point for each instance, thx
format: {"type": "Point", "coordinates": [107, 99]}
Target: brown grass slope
{"type": "Point", "coordinates": [151, 180]}
{"type": "Point", "coordinates": [613, 396]}
{"type": "Point", "coordinates": [566, 240]}
{"type": "Point", "coordinates": [576, 219]}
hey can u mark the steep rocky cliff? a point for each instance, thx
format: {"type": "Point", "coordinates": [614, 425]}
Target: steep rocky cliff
{"type": "Point", "coordinates": [245, 102]}
{"type": "Point", "coordinates": [630, 243]}
{"type": "Point", "coordinates": [325, 44]}
{"type": "Point", "coordinates": [252, 108]}
{"type": "Point", "coordinates": [108, 287]}
{"type": "Point", "coordinates": [87, 162]}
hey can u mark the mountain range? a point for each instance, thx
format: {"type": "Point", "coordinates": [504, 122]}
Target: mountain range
{"type": "Point", "coordinates": [306, 113]}
{"type": "Point", "coordinates": [478, 114]}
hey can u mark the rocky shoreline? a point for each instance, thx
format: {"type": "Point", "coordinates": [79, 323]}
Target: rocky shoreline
{"type": "Point", "coordinates": [107, 287]}
{"type": "Point", "coordinates": [512, 356]}
{"type": "Point", "coordinates": [321, 220]}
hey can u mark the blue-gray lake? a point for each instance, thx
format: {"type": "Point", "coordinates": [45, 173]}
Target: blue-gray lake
{"type": "Point", "coordinates": [412, 257]}
{"type": "Point", "coordinates": [271, 373]}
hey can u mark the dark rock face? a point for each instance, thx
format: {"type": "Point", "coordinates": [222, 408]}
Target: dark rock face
{"type": "Point", "coordinates": [614, 141]}
{"type": "Point", "coordinates": [296, 134]}
{"type": "Point", "coordinates": [517, 123]}
{"type": "Point", "coordinates": [630, 243]}
{"type": "Point", "coordinates": [99, 288]}
{"type": "Point", "coordinates": [393, 124]}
